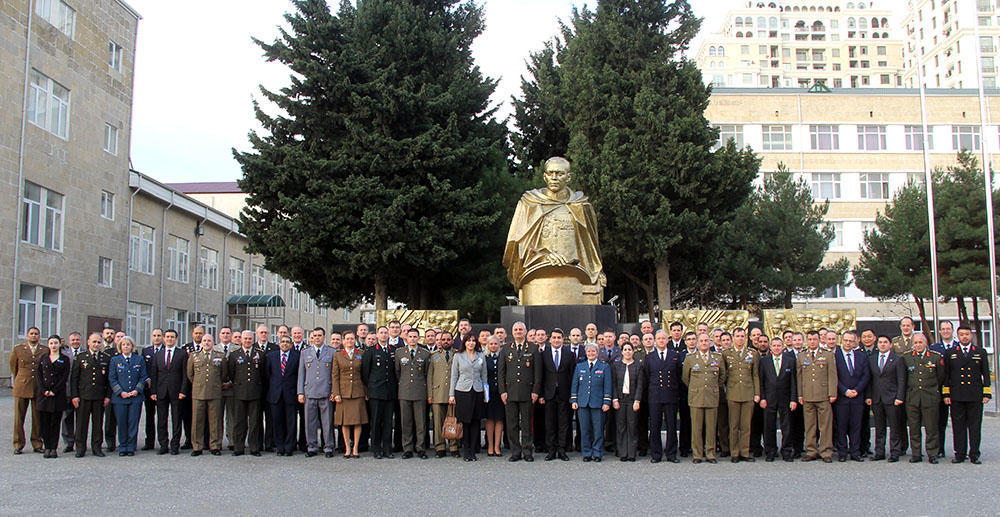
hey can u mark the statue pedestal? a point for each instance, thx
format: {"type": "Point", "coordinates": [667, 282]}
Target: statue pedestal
{"type": "Point", "coordinates": [565, 317]}
{"type": "Point", "coordinates": [559, 285]}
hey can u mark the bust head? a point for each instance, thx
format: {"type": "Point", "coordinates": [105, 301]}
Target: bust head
{"type": "Point", "coordinates": [557, 175]}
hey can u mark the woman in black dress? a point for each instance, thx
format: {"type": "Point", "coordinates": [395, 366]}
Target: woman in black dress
{"type": "Point", "coordinates": [468, 391]}
{"type": "Point", "coordinates": [50, 393]}
{"type": "Point", "coordinates": [494, 408]}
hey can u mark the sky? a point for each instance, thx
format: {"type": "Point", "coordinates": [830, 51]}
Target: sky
{"type": "Point", "coordinates": [197, 73]}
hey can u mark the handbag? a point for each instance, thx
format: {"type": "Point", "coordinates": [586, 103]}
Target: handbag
{"type": "Point", "coordinates": [451, 429]}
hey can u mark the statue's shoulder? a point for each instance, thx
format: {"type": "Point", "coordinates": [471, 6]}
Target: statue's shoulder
{"type": "Point", "coordinates": [537, 197]}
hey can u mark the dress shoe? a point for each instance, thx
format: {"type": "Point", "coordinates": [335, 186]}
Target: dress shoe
{"type": "Point", "coordinates": [550, 456]}
{"type": "Point", "coordinates": [916, 459]}
{"type": "Point", "coordinates": [467, 458]}
{"type": "Point", "coordinates": [111, 448]}
{"type": "Point", "coordinates": [734, 459]}
{"type": "Point", "coordinates": [310, 454]}
{"type": "Point", "coordinates": [514, 457]}
{"type": "Point", "coordinates": [723, 454]}
{"type": "Point", "coordinates": [562, 456]}
{"type": "Point", "coordinates": [162, 451]}
{"type": "Point", "coordinates": [893, 459]}
{"type": "Point", "coordinates": [455, 454]}
{"type": "Point", "coordinates": [877, 457]}
{"type": "Point", "coordinates": [788, 459]}
{"type": "Point", "coordinates": [440, 454]}
{"type": "Point", "coordinates": [328, 454]}
{"type": "Point", "coordinates": [17, 451]}
{"type": "Point", "coordinates": [841, 458]}
{"type": "Point", "coordinates": [130, 453]}
{"type": "Point", "coordinates": [196, 453]}
{"type": "Point", "coordinates": [751, 459]}
{"type": "Point", "coordinates": [655, 460]}
{"type": "Point", "coordinates": [186, 446]}
{"type": "Point", "coordinates": [238, 453]}
{"type": "Point", "coordinates": [529, 458]}
{"type": "Point", "coordinates": [597, 459]}
{"type": "Point", "coordinates": [174, 452]}
{"type": "Point", "coordinates": [857, 458]}
{"type": "Point", "coordinates": [975, 461]}
{"type": "Point", "coordinates": [46, 454]}
{"type": "Point", "coordinates": [810, 458]}
{"type": "Point", "coordinates": [98, 452]}
{"type": "Point", "coordinates": [932, 460]}
{"type": "Point", "coordinates": [422, 455]}
{"type": "Point", "coordinates": [685, 454]}
{"type": "Point", "coordinates": [671, 460]}
{"type": "Point", "coordinates": [958, 459]}
{"type": "Point", "coordinates": [122, 454]}
{"type": "Point", "coordinates": [39, 450]}
{"type": "Point", "coordinates": [232, 447]}
{"type": "Point", "coordinates": [69, 448]}
{"type": "Point", "coordinates": [587, 458]}
{"type": "Point", "coordinates": [769, 458]}
{"type": "Point", "coordinates": [623, 459]}
{"type": "Point", "coordinates": [391, 455]}
{"type": "Point", "coordinates": [407, 455]}
{"type": "Point", "coordinates": [80, 454]}
{"type": "Point", "coordinates": [216, 452]}
{"type": "Point", "coordinates": [148, 447]}
{"type": "Point", "coordinates": [827, 460]}
{"type": "Point", "coordinates": [696, 461]}
{"type": "Point", "coordinates": [712, 460]}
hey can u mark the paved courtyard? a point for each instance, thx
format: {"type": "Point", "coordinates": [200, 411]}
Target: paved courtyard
{"type": "Point", "coordinates": [148, 484]}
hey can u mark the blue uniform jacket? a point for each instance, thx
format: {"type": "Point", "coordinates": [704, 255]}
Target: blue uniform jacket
{"type": "Point", "coordinates": [591, 388]}
{"type": "Point", "coordinates": [125, 375]}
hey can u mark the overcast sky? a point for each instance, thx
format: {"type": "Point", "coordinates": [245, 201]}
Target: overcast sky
{"type": "Point", "coordinates": [197, 72]}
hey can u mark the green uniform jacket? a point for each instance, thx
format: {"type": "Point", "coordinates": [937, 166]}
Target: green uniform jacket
{"type": "Point", "coordinates": [519, 371]}
{"type": "Point", "coordinates": [704, 379]}
{"type": "Point", "coordinates": [412, 373]}
{"type": "Point", "coordinates": [817, 376]}
{"type": "Point", "coordinates": [924, 377]}
{"type": "Point", "coordinates": [439, 375]}
{"type": "Point", "coordinates": [742, 381]}
{"type": "Point", "coordinates": [205, 372]}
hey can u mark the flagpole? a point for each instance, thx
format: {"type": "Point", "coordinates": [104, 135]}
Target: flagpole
{"type": "Point", "coordinates": [988, 179]}
{"type": "Point", "coordinates": [929, 181]}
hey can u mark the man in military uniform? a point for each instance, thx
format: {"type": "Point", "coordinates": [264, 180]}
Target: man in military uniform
{"type": "Point", "coordinates": [246, 383]}
{"type": "Point", "coordinates": [90, 393]}
{"type": "Point", "coordinates": [264, 346]}
{"type": "Point", "coordinates": [817, 376]}
{"type": "Point", "coordinates": [924, 375]}
{"type": "Point", "coordinates": [206, 370]}
{"type": "Point", "coordinates": [191, 347]}
{"type": "Point", "coordinates": [742, 393]}
{"type": "Point", "coordinates": [315, 386]}
{"type": "Point", "coordinates": [378, 372]}
{"type": "Point", "coordinates": [966, 389]}
{"type": "Point", "coordinates": [412, 362]}
{"type": "Point", "coordinates": [519, 379]}
{"type": "Point", "coordinates": [903, 343]}
{"type": "Point", "coordinates": [662, 371]}
{"type": "Point", "coordinates": [438, 383]}
{"type": "Point", "coordinates": [227, 414]}
{"type": "Point", "coordinates": [23, 362]}
{"type": "Point", "coordinates": [946, 334]}
{"type": "Point", "coordinates": [704, 374]}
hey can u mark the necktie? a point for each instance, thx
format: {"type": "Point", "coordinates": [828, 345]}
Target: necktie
{"type": "Point", "coordinates": [881, 362]}
{"type": "Point", "coordinates": [170, 353]}
{"type": "Point", "coordinates": [663, 356]}
{"type": "Point", "coordinates": [413, 354]}
{"type": "Point", "coordinates": [591, 366]}
{"type": "Point", "coordinates": [850, 363]}
{"type": "Point", "coordinates": [777, 366]}
{"type": "Point", "coordinates": [447, 356]}
{"type": "Point", "coordinates": [965, 350]}
{"type": "Point", "coordinates": [284, 361]}
{"type": "Point", "coordinates": [225, 349]}
{"type": "Point", "coordinates": [555, 358]}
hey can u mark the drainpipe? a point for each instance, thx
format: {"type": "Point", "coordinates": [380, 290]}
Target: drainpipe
{"type": "Point", "coordinates": [163, 260]}
{"type": "Point", "coordinates": [128, 269]}
{"type": "Point", "coordinates": [20, 177]}
{"type": "Point", "coordinates": [223, 314]}
{"type": "Point", "coordinates": [198, 230]}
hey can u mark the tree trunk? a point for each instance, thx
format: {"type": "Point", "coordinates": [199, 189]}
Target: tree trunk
{"type": "Point", "coordinates": [381, 293]}
{"type": "Point", "coordinates": [788, 299]}
{"type": "Point", "coordinates": [654, 315]}
{"type": "Point", "coordinates": [425, 295]}
{"type": "Point", "coordinates": [963, 311]}
{"type": "Point", "coordinates": [663, 283]}
{"type": "Point", "coordinates": [412, 292]}
{"type": "Point", "coordinates": [631, 311]}
{"type": "Point", "coordinates": [919, 302]}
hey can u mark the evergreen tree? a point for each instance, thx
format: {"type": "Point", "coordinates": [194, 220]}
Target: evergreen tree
{"type": "Point", "coordinates": [372, 180]}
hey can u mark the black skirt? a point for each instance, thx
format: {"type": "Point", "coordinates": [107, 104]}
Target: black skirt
{"type": "Point", "coordinates": [495, 408]}
{"type": "Point", "coordinates": [468, 405]}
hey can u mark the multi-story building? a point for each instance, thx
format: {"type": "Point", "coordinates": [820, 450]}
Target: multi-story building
{"type": "Point", "coordinates": [90, 243]}
{"type": "Point", "coordinates": [944, 32]}
{"type": "Point", "coordinates": [855, 148]}
{"type": "Point", "coordinates": [799, 43]}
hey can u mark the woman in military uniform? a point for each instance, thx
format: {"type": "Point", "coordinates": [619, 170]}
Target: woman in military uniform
{"type": "Point", "coordinates": [50, 394]}
{"type": "Point", "coordinates": [494, 408]}
{"type": "Point", "coordinates": [349, 394]}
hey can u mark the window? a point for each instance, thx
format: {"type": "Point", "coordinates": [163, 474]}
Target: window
{"type": "Point", "coordinates": [986, 44]}
{"type": "Point", "coordinates": [824, 137]}
{"type": "Point", "coordinates": [140, 250]}
{"type": "Point", "coordinates": [179, 259]}
{"type": "Point", "coordinates": [56, 12]}
{"type": "Point", "coordinates": [871, 138]}
{"type": "Point", "coordinates": [211, 323]}
{"type": "Point", "coordinates": [278, 286]}
{"type": "Point", "coordinates": [236, 276]}
{"type": "Point", "coordinates": [107, 205]}
{"type": "Point", "coordinates": [115, 56]}
{"type": "Point", "coordinates": [48, 105]}
{"type": "Point", "coordinates": [37, 306]}
{"type": "Point", "coordinates": [42, 222]}
{"type": "Point", "coordinates": [881, 50]}
{"type": "Point", "coordinates": [258, 282]}
{"type": "Point", "coordinates": [826, 185]}
{"type": "Point", "coordinates": [965, 137]}
{"type": "Point", "coordinates": [915, 138]}
{"type": "Point", "coordinates": [307, 305]}
{"type": "Point", "coordinates": [988, 65]}
{"type": "Point", "coordinates": [104, 272]}
{"type": "Point", "coordinates": [874, 185]}
{"type": "Point", "coordinates": [838, 235]}
{"type": "Point", "coordinates": [208, 269]}
{"type": "Point", "coordinates": [730, 131]}
{"type": "Point", "coordinates": [177, 320]}
{"type": "Point", "coordinates": [293, 297]}
{"type": "Point", "coordinates": [139, 322]}
{"type": "Point", "coordinates": [777, 138]}
{"type": "Point", "coordinates": [837, 291]}
{"type": "Point", "coordinates": [111, 139]}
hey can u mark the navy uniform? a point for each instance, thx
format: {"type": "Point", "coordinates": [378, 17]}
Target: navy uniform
{"type": "Point", "coordinates": [88, 382]}
{"type": "Point", "coordinates": [967, 384]}
{"type": "Point", "coordinates": [591, 392]}
{"type": "Point", "coordinates": [924, 375]}
{"type": "Point", "coordinates": [127, 374]}
{"type": "Point", "coordinates": [520, 376]}
{"type": "Point", "coordinates": [943, 409]}
{"type": "Point", "coordinates": [662, 372]}
{"type": "Point", "coordinates": [246, 373]}
{"type": "Point", "coordinates": [378, 373]}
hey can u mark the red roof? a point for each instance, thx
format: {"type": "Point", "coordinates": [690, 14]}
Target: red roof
{"type": "Point", "coordinates": [207, 187]}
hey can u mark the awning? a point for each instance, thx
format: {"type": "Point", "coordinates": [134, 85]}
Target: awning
{"type": "Point", "coordinates": [257, 300]}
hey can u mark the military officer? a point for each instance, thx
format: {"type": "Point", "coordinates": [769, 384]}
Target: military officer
{"type": "Point", "coordinates": [742, 393]}
{"type": "Point", "coordinates": [966, 389]}
{"type": "Point", "coordinates": [246, 381]}
{"type": "Point", "coordinates": [438, 384]}
{"type": "Point", "coordinates": [228, 343]}
{"type": "Point", "coordinates": [314, 389]}
{"type": "Point", "coordinates": [378, 373]}
{"type": "Point", "coordinates": [662, 373]}
{"type": "Point", "coordinates": [127, 377]}
{"type": "Point", "coordinates": [704, 374]}
{"type": "Point", "coordinates": [206, 371]}
{"type": "Point", "coordinates": [924, 375]}
{"type": "Point", "coordinates": [519, 379]}
{"type": "Point", "coordinates": [90, 394]}
{"type": "Point", "coordinates": [411, 370]}
{"type": "Point", "coordinates": [23, 363]}
{"type": "Point", "coordinates": [903, 343]}
{"type": "Point", "coordinates": [817, 377]}
{"type": "Point", "coordinates": [590, 397]}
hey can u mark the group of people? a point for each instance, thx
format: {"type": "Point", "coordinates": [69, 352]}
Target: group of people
{"type": "Point", "coordinates": [669, 394]}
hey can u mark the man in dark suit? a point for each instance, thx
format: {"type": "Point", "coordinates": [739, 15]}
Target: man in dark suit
{"type": "Point", "coordinates": [558, 364]}
{"type": "Point", "coordinates": [149, 353]}
{"type": "Point", "coordinates": [852, 381]}
{"type": "Point", "coordinates": [947, 333]}
{"type": "Point", "coordinates": [886, 395]}
{"type": "Point", "coordinates": [676, 337]}
{"type": "Point", "coordinates": [168, 379]}
{"type": "Point", "coordinates": [778, 398]}
{"type": "Point", "coordinates": [264, 347]}
{"type": "Point", "coordinates": [662, 371]}
{"type": "Point", "coordinates": [281, 375]}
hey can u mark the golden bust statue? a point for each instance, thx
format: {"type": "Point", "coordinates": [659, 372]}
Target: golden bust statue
{"type": "Point", "coordinates": [552, 256]}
